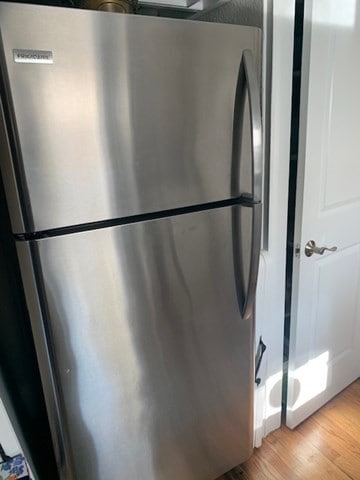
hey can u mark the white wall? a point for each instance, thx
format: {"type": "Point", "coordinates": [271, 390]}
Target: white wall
{"type": "Point", "coordinates": [271, 287]}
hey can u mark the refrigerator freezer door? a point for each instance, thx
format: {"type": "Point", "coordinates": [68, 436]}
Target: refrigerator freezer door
{"type": "Point", "coordinates": [119, 115]}
{"type": "Point", "coordinates": [153, 361]}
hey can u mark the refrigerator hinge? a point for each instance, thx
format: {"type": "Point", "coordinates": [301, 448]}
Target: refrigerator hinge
{"type": "Point", "coordinates": [258, 359]}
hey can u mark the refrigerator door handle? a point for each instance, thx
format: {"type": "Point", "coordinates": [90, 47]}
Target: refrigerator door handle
{"type": "Point", "coordinates": [248, 305]}
{"type": "Point", "coordinates": [248, 78]}
{"type": "Point", "coordinates": [256, 126]}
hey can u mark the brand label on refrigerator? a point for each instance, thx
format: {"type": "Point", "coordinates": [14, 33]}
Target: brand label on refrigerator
{"type": "Point", "coordinates": [32, 56]}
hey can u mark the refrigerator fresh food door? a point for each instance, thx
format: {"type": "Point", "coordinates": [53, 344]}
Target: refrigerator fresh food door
{"type": "Point", "coordinates": [147, 349]}
{"type": "Point", "coordinates": [119, 115]}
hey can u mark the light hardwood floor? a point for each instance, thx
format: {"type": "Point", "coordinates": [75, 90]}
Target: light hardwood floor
{"type": "Point", "coordinates": [324, 447]}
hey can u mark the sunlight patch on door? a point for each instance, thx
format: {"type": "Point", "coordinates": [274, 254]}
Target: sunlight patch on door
{"type": "Point", "coordinates": [308, 381]}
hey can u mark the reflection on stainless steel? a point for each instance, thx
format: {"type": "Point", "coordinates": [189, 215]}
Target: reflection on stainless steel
{"type": "Point", "coordinates": [135, 114]}
{"type": "Point", "coordinates": [153, 356]}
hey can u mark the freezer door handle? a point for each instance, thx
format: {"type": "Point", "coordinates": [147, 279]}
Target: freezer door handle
{"type": "Point", "coordinates": [248, 78]}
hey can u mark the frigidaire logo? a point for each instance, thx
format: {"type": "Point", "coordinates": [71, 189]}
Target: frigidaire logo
{"type": "Point", "coordinates": [32, 56]}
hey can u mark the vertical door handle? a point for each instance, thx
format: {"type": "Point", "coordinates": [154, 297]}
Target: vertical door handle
{"type": "Point", "coordinates": [256, 125]}
{"type": "Point", "coordinates": [248, 306]}
{"type": "Point", "coordinates": [257, 164]}
{"type": "Point", "coordinates": [248, 81]}
{"type": "Point", "coordinates": [249, 78]}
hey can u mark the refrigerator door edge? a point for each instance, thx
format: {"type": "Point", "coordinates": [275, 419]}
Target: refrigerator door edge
{"type": "Point", "coordinates": [9, 178]}
{"type": "Point", "coordinates": [26, 253]}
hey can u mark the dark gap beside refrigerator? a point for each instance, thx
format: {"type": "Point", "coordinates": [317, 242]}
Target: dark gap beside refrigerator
{"type": "Point", "coordinates": [294, 147]}
{"type": "Point", "coordinates": [19, 374]}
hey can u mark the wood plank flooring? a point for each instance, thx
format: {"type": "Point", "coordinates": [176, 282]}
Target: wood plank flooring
{"type": "Point", "coordinates": [324, 447]}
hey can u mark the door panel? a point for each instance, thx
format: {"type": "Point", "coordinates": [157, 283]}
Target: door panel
{"type": "Point", "coordinates": [329, 332]}
{"type": "Point", "coordinates": [153, 360]}
{"type": "Point", "coordinates": [135, 114]}
{"type": "Point", "coordinates": [325, 331]}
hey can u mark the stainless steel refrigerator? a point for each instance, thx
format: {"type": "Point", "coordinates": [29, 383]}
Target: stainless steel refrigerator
{"type": "Point", "coordinates": [131, 153]}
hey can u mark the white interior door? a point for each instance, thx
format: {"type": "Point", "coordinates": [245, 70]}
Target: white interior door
{"type": "Point", "coordinates": [325, 326]}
